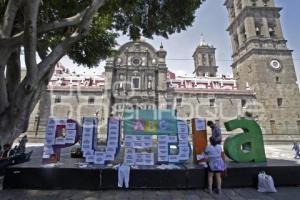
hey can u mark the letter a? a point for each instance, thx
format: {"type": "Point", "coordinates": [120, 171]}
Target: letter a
{"type": "Point", "coordinates": [252, 139]}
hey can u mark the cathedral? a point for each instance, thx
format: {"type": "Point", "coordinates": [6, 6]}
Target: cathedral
{"type": "Point", "coordinates": [263, 87]}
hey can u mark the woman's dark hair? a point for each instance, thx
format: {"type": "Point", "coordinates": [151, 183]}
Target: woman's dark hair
{"type": "Point", "coordinates": [213, 141]}
{"type": "Point", "coordinates": [210, 123]}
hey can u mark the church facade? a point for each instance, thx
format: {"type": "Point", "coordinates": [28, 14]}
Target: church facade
{"type": "Point", "coordinates": [263, 86]}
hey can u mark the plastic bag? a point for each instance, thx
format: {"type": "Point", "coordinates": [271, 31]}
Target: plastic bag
{"type": "Point", "coordinates": [265, 183]}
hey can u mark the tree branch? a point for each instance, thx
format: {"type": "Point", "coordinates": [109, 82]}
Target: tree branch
{"type": "Point", "coordinates": [3, 91]}
{"type": "Point", "coordinates": [9, 17]}
{"type": "Point", "coordinates": [60, 50]}
{"type": "Point", "coordinates": [30, 36]}
{"type": "Point", "coordinates": [13, 74]}
{"type": "Point", "coordinates": [18, 39]}
{"type": "Point", "coordinates": [70, 21]}
{"type": "Point", "coordinates": [87, 18]}
{"type": "Point", "coordinates": [56, 54]}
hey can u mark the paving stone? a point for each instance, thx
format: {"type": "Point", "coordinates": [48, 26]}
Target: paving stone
{"type": "Point", "coordinates": [232, 195]}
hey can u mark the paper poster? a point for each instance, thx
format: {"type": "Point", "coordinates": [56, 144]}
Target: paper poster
{"type": "Point", "coordinates": [129, 150]}
{"type": "Point", "coordinates": [172, 139]}
{"type": "Point", "coordinates": [163, 158]}
{"type": "Point", "coordinates": [163, 139]}
{"type": "Point", "coordinates": [200, 124]}
{"type": "Point", "coordinates": [139, 159]}
{"type": "Point", "coordinates": [151, 126]}
{"type": "Point", "coordinates": [139, 138]}
{"type": "Point", "coordinates": [90, 158]}
{"type": "Point", "coordinates": [173, 158]}
{"type": "Point", "coordinates": [184, 149]}
{"type": "Point", "coordinates": [109, 156]}
{"type": "Point", "coordinates": [200, 156]}
{"type": "Point", "coordinates": [163, 147]}
{"type": "Point", "coordinates": [139, 125]}
{"type": "Point", "coordinates": [71, 126]}
{"type": "Point", "coordinates": [148, 158]}
{"type": "Point", "coordinates": [183, 137]}
{"type": "Point", "coordinates": [113, 133]}
{"type": "Point", "coordinates": [111, 149]}
{"type": "Point", "coordinates": [183, 156]}
{"type": "Point", "coordinates": [51, 132]}
{"type": "Point", "coordinates": [51, 122]}
{"type": "Point", "coordinates": [128, 144]}
{"type": "Point", "coordinates": [130, 138]}
{"type": "Point", "coordinates": [111, 143]}
{"type": "Point", "coordinates": [148, 141]}
{"type": "Point", "coordinates": [129, 156]}
{"type": "Point", "coordinates": [70, 136]}
{"type": "Point", "coordinates": [138, 144]}
{"type": "Point", "coordinates": [60, 121]}
{"type": "Point", "coordinates": [87, 136]}
{"type": "Point", "coordinates": [113, 138]}
{"type": "Point", "coordinates": [88, 153]}
{"type": "Point", "coordinates": [182, 127]}
{"type": "Point", "coordinates": [99, 158]}
{"type": "Point", "coordinates": [46, 155]}
{"type": "Point", "coordinates": [49, 141]}
{"type": "Point", "coordinates": [60, 141]}
{"type": "Point", "coordinates": [163, 125]}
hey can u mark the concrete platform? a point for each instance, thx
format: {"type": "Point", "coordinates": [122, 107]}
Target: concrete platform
{"type": "Point", "coordinates": [68, 175]}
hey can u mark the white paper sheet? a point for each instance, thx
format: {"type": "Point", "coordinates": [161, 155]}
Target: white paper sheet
{"type": "Point", "coordinates": [200, 124]}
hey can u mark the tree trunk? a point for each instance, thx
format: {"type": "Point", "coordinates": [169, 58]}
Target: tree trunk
{"type": "Point", "coordinates": [15, 119]}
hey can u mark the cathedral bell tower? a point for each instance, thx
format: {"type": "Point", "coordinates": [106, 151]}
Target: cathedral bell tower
{"type": "Point", "coordinates": [262, 59]}
{"type": "Point", "coordinates": [205, 60]}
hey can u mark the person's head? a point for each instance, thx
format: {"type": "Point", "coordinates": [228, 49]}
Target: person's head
{"type": "Point", "coordinates": [212, 141]}
{"type": "Point", "coordinates": [210, 124]}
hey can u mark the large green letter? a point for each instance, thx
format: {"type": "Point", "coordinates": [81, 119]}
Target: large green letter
{"type": "Point", "coordinates": [252, 139]}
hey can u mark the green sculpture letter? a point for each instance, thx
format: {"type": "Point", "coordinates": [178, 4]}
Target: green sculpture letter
{"type": "Point", "coordinates": [247, 146]}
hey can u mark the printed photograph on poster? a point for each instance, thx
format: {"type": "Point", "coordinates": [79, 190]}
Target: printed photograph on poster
{"type": "Point", "coordinates": [200, 125]}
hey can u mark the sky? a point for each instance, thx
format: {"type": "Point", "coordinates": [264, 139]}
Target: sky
{"type": "Point", "coordinates": [212, 21]}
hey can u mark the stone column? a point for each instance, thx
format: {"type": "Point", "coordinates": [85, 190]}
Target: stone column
{"type": "Point", "coordinates": [233, 44]}
{"type": "Point", "coordinates": [278, 29]}
{"type": "Point", "coordinates": [250, 27]}
{"type": "Point", "coordinates": [200, 61]}
{"type": "Point", "coordinates": [206, 59]}
{"type": "Point", "coordinates": [213, 60]}
{"type": "Point", "coordinates": [265, 28]}
{"type": "Point", "coordinates": [240, 37]}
